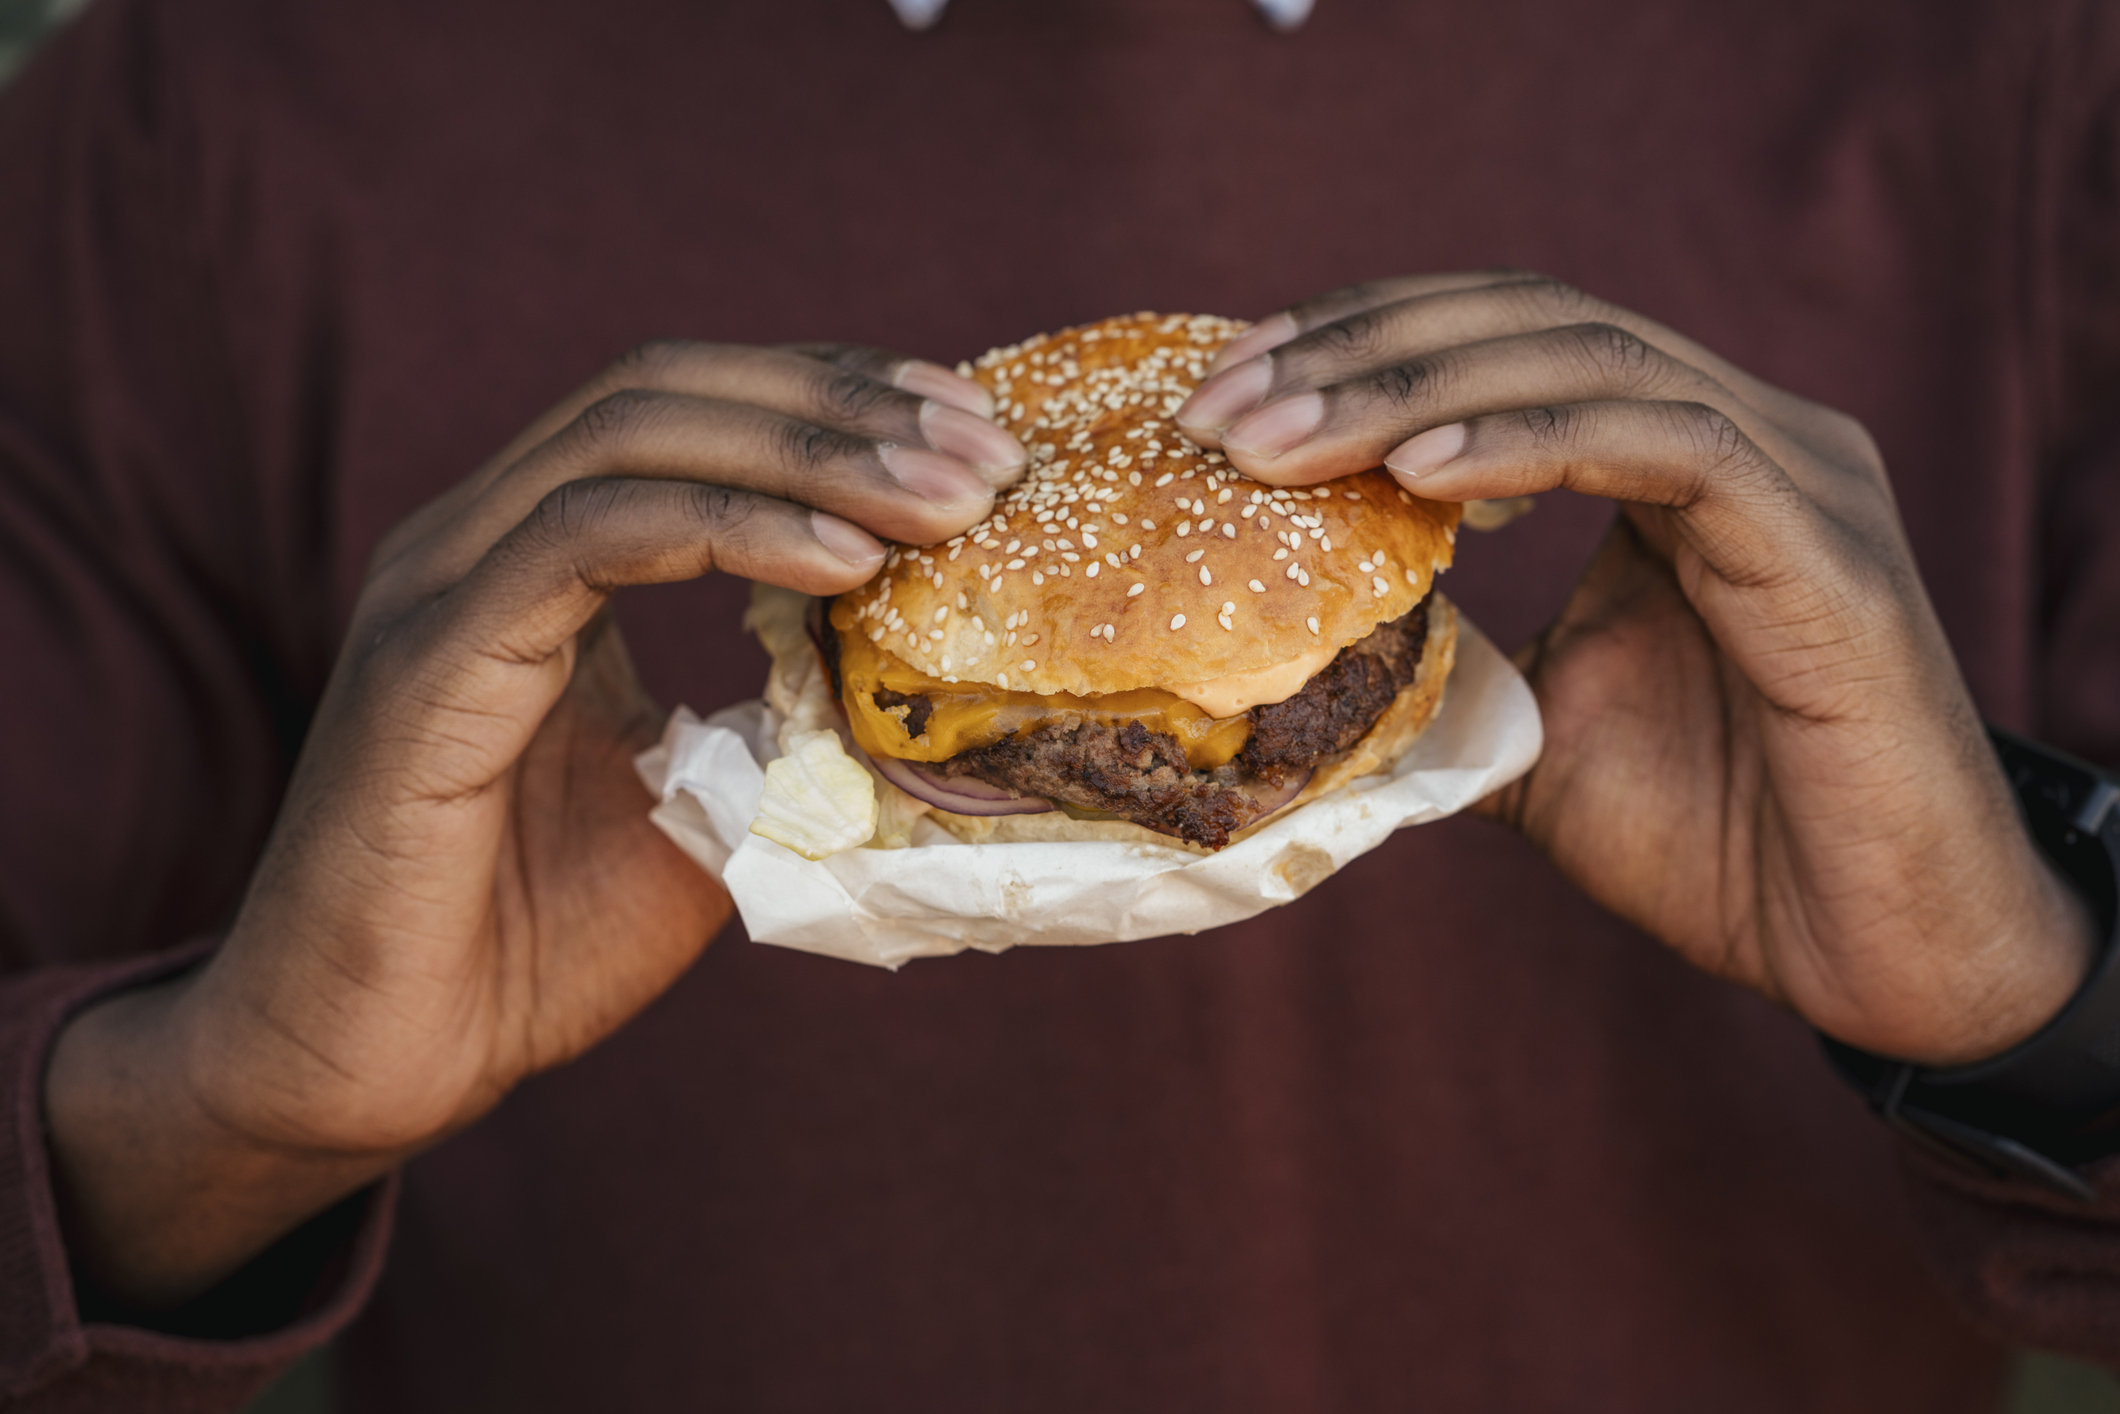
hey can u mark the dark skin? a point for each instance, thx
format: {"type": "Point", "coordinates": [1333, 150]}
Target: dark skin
{"type": "Point", "coordinates": [1758, 747]}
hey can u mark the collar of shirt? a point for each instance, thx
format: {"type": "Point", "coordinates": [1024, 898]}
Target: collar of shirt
{"type": "Point", "coordinates": [1281, 14]}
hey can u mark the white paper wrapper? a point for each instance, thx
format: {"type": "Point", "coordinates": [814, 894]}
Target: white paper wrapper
{"type": "Point", "coordinates": [940, 895]}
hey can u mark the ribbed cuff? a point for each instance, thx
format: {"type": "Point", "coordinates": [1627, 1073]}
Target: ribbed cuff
{"type": "Point", "coordinates": [53, 1358]}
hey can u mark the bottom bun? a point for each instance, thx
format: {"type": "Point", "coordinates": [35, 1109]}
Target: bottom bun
{"type": "Point", "coordinates": [1392, 737]}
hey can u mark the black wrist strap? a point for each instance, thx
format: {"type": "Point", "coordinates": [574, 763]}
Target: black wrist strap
{"type": "Point", "coordinates": [2053, 1100]}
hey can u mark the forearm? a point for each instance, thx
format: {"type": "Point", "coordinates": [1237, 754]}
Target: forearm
{"type": "Point", "coordinates": [161, 1198]}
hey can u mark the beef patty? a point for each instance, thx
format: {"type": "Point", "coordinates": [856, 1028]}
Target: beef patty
{"type": "Point", "coordinates": [1140, 775]}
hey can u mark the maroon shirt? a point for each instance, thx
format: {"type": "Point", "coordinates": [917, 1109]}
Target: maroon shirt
{"type": "Point", "coordinates": [1442, 1135]}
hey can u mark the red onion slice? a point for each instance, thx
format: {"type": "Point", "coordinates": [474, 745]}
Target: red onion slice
{"type": "Point", "coordinates": [1272, 798]}
{"type": "Point", "coordinates": [958, 795]}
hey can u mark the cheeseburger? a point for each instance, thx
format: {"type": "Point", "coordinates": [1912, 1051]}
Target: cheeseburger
{"type": "Point", "coordinates": [1141, 637]}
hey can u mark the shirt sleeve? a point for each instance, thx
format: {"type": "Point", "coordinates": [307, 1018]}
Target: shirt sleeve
{"type": "Point", "coordinates": [162, 643]}
{"type": "Point", "coordinates": [2042, 1269]}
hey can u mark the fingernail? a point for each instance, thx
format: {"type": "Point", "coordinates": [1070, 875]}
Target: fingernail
{"type": "Point", "coordinates": [846, 540]}
{"type": "Point", "coordinates": [1269, 333]}
{"type": "Point", "coordinates": [997, 456]}
{"type": "Point", "coordinates": [932, 380]}
{"type": "Point", "coordinates": [1418, 456]}
{"type": "Point", "coordinates": [1278, 426]}
{"type": "Point", "coordinates": [931, 476]}
{"type": "Point", "coordinates": [1226, 397]}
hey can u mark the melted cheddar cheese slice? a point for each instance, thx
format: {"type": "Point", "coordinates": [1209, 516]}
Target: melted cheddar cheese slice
{"type": "Point", "coordinates": [968, 715]}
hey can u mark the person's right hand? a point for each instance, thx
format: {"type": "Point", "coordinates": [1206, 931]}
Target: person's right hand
{"type": "Point", "coordinates": [463, 887]}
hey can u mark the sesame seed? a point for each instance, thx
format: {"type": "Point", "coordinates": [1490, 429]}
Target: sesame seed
{"type": "Point", "coordinates": [1280, 554]}
{"type": "Point", "coordinates": [1177, 621]}
{"type": "Point", "coordinates": [1194, 556]}
{"type": "Point", "coordinates": [936, 634]}
{"type": "Point", "coordinates": [1148, 525]}
{"type": "Point", "coordinates": [1205, 577]}
{"type": "Point", "coordinates": [942, 613]}
{"type": "Point", "coordinates": [1365, 567]}
{"type": "Point", "coordinates": [1110, 633]}
{"type": "Point", "coordinates": [1293, 571]}
{"type": "Point", "coordinates": [1352, 495]}
{"type": "Point", "coordinates": [1257, 588]}
{"type": "Point", "coordinates": [1303, 577]}
{"type": "Point", "coordinates": [1325, 543]}
{"type": "Point", "coordinates": [1227, 626]}
{"type": "Point", "coordinates": [1029, 639]}
{"type": "Point", "coordinates": [1184, 529]}
{"type": "Point", "coordinates": [1229, 606]}
{"type": "Point", "coordinates": [1229, 529]}
{"type": "Point", "coordinates": [1138, 587]}
{"type": "Point", "coordinates": [1166, 478]}
{"type": "Point", "coordinates": [1133, 552]}
{"type": "Point", "coordinates": [1204, 526]}
{"type": "Point", "coordinates": [1030, 663]}
{"type": "Point", "coordinates": [1411, 577]}
{"type": "Point", "coordinates": [1377, 583]}
{"type": "Point", "coordinates": [1313, 622]}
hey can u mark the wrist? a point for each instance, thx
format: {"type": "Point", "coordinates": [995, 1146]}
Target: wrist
{"type": "Point", "coordinates": [2021, 983]}
{"type": "Point", "coordinates": [2052, 1099]}
{"type": "Point", "coordinates": [160, 1197]}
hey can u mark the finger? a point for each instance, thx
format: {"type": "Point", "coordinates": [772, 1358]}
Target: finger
{"type": "Point", "coordinates": [839, 385]}
{"type": "Point", "coordinates": [1380, 334]}
{"type": "Point", "coordinates": [1285, 325]}
{"type": "Point", "coordinates": [1349, 426]}
{"type": "Point", "coordinates": [481, 661]}
{"type": "Point", "coordinates": [1745, 521]}
{"type": "Point", "coordinates": [914, 375]}
{"type": "Point", "coordinates": [905, 493]}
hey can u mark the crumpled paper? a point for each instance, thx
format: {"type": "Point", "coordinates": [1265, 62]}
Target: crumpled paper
{"type": "Point", "coordinates": [939, 895]}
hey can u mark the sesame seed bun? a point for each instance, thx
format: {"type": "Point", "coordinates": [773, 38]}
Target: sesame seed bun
{"type": "Point", "coordinates": [1127, 556]}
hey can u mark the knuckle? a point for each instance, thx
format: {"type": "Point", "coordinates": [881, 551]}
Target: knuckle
{"type": "Point", "coordinates": [810, 448]}
{"type": "Point", "coordinates": [1358, 338]}
{"type": "Point", "coordinates": [1406, 383]}
{"type": "Point", "coordinates": [648, 363]}
{"type": "Point", "coordinates": [717, 509]}
{"type": "Point", "coordinates": [616, 418]}
{"type": "Point", "coordinates": [1548, 426]}
{"type": "Point", "coordinates": [1613, 351]}
{"type": "Point", "coordinates": [569, 511]}
{"type": "Point", "coordinates": [850, 396]}
{"type": "Point", "coordinates": [1717, 439]}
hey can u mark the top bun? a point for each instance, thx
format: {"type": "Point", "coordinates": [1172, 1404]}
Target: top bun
{"type": "Point", "coordinates": [1129, 557]}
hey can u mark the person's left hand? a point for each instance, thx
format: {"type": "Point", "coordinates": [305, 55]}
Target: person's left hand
{"type": "Point", "coordinates": [1758, 745]}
